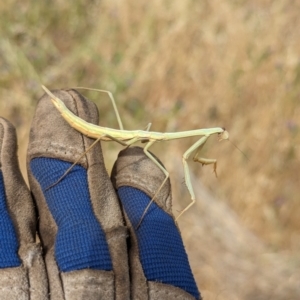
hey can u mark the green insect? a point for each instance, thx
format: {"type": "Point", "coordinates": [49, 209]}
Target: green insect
{"type": "Point", "coordinates": [129, 137]}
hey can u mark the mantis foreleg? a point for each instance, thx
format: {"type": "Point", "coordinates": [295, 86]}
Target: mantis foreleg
{"type": "Point", "coordinates": [198, 145]}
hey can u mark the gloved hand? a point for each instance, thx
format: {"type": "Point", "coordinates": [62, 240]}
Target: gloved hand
{"type": "Point", "coordinates": [78, 239]}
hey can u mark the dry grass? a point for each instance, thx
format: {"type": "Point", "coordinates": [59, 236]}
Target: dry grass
{"type": "Point", "coordinates": [185, 65]}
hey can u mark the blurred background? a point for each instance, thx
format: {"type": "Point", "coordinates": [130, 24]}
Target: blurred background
{"type": "Point", "coordinates": [185, 65]}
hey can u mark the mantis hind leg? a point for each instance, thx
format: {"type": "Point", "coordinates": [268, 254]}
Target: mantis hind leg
{"type": "Point", "coordinates": [128, 143]}
{"type": "Point", "coordinates": [112, 99]}
{"type": "Point", "coordinates": [73, 165]}
{"type": "Point", "coordinates": [150, 156]}
{"type": "Point", "coordinates": [198, 145]}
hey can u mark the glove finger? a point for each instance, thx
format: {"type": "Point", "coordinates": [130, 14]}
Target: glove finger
{"type": "Point", "coordinates": [81, 225]}
{"type": "Point", "coordinates": [22, 271]}
{"type": "Point", "coordinates": [158, 262]}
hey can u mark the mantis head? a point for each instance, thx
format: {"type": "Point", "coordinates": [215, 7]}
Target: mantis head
{"type": "Point", "coordinates": [224, 135]}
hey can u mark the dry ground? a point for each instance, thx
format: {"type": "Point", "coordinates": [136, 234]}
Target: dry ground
{"type": "Point", "coordinates": [184, 65]}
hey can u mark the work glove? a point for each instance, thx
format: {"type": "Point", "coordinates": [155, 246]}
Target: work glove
{"type": "Point", "coordinates": [77, 236]}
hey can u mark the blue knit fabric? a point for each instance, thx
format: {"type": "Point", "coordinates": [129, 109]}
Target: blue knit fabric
{"type": "Point", "coordinates": [80, 242]}
{"type": "Point", "coordinates": [162, 253]}
{"type": "Point", "coordinates": [8, 238]}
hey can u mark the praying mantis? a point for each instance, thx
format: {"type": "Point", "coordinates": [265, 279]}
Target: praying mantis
{"type": "Point", "coordinates": [129, 137]}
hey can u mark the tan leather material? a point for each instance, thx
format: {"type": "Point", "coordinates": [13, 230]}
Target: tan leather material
{"type": "Point", "coordinates": [29, 281]}
{"type": "Point", "coordinates": [88, 284]}
{"type": "Point", "coordinates": [54, 280]}
{"type": "Point", "coordinates": [51, 136]}
{"type": "Point", "coordinates": [19, 203]}
{"type": "Point", "coordinates": [14, 284]}
{"type": "Point", "coordinates": [159, 290]}
{"type": "Point", "coordinates": [138, 284]}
